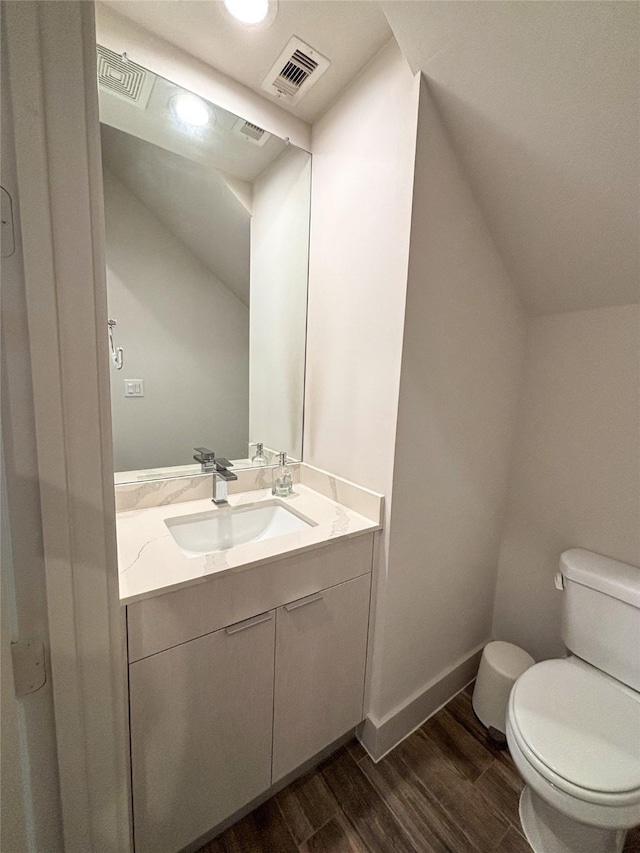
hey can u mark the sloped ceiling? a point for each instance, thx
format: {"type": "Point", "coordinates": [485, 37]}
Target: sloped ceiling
{"type": "Point", "coordinates": [193, 203]}
{"type": "Point", "coordinates": [347, 32]}
{"type": "Point", "coordinates": [541, 100]}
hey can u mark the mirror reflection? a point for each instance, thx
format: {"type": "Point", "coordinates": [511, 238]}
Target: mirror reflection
{"type": "Point", "coordinates": [207, 234]}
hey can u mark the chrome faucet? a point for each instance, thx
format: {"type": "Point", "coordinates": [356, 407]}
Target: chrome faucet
{"type": "Point", "coordinates": [219, 468]}
{"type": "Point", "coordinates": [221, 476]}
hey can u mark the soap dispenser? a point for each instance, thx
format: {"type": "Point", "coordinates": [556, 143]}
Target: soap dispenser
{"type": "Point", "coordinates": [259, 459]}
{"type": "Point", "coordinates": [282, 477]}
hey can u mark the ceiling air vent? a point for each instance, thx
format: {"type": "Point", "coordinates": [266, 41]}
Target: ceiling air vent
{"type": "Point", "coordinates": [123, 78]}
{"type": "Point", "coordinates": [251, 132]}
{"type": "Point", "coordinates": [295, 71]}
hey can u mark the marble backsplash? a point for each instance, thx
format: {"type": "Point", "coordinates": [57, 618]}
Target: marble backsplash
{"type": "Point", "coordinates": [178, 489]}
{"type": "Point", "coordinates": [357, 498]}
{"type": "Point", "coordinates": [130, 496]}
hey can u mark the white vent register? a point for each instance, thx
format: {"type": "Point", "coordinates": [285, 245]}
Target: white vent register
{"type": "Point", "coordinates": [295, 71]}
{"type": "Point", "coordinates": [123, 78]}
{"type": "Point", "coordinates": [251, 132]}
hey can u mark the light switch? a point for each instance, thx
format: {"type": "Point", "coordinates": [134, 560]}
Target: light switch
{"type": "Point", "coordinates": [134, 388]}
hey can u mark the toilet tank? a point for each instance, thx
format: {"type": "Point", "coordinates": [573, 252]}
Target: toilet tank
{"type": "Point", "coordinates": [601, 613]}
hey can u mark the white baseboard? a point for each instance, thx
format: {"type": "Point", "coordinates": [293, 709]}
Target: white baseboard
{"type": "Point", "coordinates": [380, 736]}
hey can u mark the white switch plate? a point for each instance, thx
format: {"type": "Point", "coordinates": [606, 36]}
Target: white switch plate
{"type": "Point", "coordinates": [134, 388]}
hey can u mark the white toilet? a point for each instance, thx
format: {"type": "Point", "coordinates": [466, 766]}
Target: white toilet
{"type": "Point", "coordinates": [573, 725]}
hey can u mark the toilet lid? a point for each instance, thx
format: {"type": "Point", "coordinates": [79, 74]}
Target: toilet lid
{"type": "Point", "coordinates": [581, 724]}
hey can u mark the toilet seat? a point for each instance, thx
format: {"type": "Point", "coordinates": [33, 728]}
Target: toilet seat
{"type": "Point", "coordinates": [580, 730]}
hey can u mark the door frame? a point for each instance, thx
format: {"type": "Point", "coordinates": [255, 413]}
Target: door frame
{"type": "Point", "coordinates": [52, 74]}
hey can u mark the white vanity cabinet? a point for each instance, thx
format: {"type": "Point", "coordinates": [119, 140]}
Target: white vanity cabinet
{"type": "Point", "coordinates": [220, 709]}
{"type": "Point", "coordinates": [201, 728]}
{"type": "Point", "coordinates": [321, 647]}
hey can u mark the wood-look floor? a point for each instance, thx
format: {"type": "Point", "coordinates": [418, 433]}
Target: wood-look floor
{"type": "Point", "coordinates": [444, 788]}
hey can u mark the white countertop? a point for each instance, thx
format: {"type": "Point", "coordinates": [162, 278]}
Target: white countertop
{"type": "Point", "coordinates": [151, 563]}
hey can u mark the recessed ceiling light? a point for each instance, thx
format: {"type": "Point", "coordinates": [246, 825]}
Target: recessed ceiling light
{"type": "Point", "coordinates": [252, 12]}
{"type": "Point", "coordinates": [190, 109]}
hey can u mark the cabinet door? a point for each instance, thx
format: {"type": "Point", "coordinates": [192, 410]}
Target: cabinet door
{"type": "Point", "coordinates": [201, 729]}
{"type": "Point", "coordinates": [321, 644]}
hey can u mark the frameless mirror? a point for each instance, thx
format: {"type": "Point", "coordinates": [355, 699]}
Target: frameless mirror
{"type": "Point", "coordinates": [207, 239]}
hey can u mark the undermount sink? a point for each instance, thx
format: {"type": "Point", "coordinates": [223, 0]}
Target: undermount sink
{"type": "Point", "coordinates": [226, 528]}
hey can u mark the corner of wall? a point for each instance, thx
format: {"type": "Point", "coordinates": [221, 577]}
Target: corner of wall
{"type": "Point", "coordinates": [380, 736]}
{"type": "Point", "coordinates": [460, 371]}
{"type": "Point", "coordinates": [573, 479]}
{"type": "Point", "coordinates": [363, 172]}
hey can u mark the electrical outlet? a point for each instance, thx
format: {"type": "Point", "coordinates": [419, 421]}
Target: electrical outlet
{"type": "Point", "coordinates": [134, 388]}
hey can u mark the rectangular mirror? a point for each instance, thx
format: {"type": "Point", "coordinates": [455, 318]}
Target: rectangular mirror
{"type": "Point", "coordinates": [207, 242]}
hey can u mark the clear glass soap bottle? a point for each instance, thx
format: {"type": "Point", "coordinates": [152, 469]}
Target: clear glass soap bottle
{"type": "Point", "coordinates": [282, 477]}
{"type": "Point", "coordinates": [259, 458]}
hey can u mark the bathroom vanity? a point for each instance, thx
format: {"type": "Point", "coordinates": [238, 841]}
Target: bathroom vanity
{"type": "Point", "coordinates": [244, 663]}
{"type": "Point", "coordinates": [247, 621]}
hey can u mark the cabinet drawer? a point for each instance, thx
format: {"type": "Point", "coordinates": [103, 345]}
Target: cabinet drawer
{"type": "Point", "coordinates": [201, 732]}
{"type": "Point", "coordinates": [321, 645]}
{"type": "Point", "coordinates": [159, 623]}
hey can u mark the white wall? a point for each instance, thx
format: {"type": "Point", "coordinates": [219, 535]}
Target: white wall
{"type": "Point", "coordinates": [363, 154]}
{"type": "Point", "coordinates": [363, 164]}
{"type": "Point", "coordinates": [183, 332]}
{"type": "Point", "coordinates": [278, 308]}
{"type": "Point", "coordinates": [540, 104]}
{"type": "Point", "coordinates": [419, 400]}
{"type": "Point", "coordinates": [461, 359]}
{"type": "Point", "coordinates": [575, 478]}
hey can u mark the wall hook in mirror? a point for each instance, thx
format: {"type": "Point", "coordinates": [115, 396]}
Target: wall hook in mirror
{"type": "Point", "coordinates": [117, 353]}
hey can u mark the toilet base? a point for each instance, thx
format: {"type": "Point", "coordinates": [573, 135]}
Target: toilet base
{"type": "Point", "coordinates": [549, 831]}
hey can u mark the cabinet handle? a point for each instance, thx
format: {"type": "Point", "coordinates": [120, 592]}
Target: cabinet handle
{"type": "Point", "coordinates": [301, 602]}
{"type": "Point", "coordinates": [248, 623]}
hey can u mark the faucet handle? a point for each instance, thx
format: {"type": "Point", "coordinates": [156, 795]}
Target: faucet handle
{"type": "Point", "coordinates": [221, 462]}
{"type": "Point", "coordinates": [204, 454]}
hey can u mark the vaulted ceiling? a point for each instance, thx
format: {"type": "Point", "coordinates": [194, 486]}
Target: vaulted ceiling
{"type": "Point", "coordinates": [541, 101]}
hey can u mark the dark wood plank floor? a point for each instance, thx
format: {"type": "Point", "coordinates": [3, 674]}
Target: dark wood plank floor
{"type": "Point", "coordinates": [444, 789]}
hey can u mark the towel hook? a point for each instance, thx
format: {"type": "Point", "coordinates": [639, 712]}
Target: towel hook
{"type": "Point", "coordinates": [117, 353]}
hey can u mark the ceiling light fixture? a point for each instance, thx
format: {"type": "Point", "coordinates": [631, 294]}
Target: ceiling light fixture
{"type": "Point", "coordinates": [190, 109]}
{"type": "Point", "coordinates": [252, 12]}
